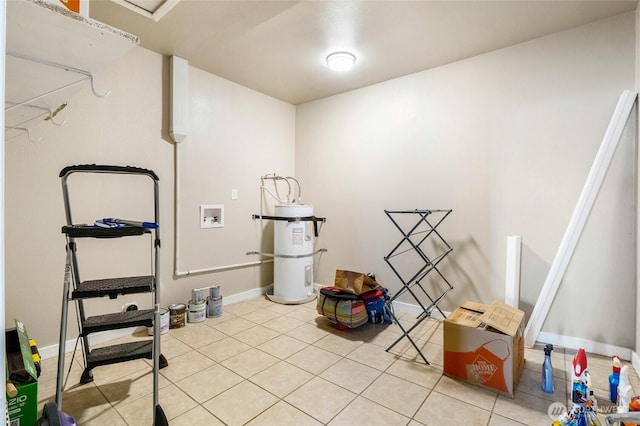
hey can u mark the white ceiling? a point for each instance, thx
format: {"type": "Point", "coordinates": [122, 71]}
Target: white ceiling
{"type": "Point", "coordinates": [279, 47]}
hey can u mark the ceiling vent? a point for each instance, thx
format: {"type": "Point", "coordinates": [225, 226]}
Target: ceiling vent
{"type": "Point", "coordinates": [152, 9]}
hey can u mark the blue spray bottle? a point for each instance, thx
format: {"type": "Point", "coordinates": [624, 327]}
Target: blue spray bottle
{"type": "Point", "coordinates": [547, 370]}
{"type": "Point", "coordinates": [614, 380]}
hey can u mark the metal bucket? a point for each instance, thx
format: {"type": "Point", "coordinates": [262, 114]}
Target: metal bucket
{"type": "Point", "coordinates": [197, 312]}
{"type": "Point", "coordinates": [214, 307]}
{"type": "Point", "coordinates": [164, 322]}
{"type": "Point", "coordinates": [177, 315]}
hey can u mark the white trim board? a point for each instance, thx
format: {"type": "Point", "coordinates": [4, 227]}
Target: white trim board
{"type": "Point", "coordinates": [569, 342]}
{"type": "Point", "coordinates": [512, 272]}
{"type": "Point", "coordinates": [417, 310]}
{"type": "Point", "coordinates": [589, 346]}
{"type": "Point", "coordinates": [563, 341]}
{"type": "Point", "coordinates": [47, 352]}
{"type": "Point", "coordinates": [635, 361]}
{"type": "Point", "coordinates": [579, 217]}
{"type": "Point", "coordinates": [51, 351]}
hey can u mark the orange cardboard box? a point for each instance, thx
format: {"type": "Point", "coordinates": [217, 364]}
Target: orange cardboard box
{"type": "Point", "coordinates": [484, 345]}
{"type": "Point", "coordinates": [81, 7]}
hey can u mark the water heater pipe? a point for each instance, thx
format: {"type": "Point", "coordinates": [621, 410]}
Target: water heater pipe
{"type": "Point", "coordinates": [277, 195]}
{"type": "Point", "coordinates": [177, 272]}
{"type": "Point", "coordinates": [299, 198]}
{"type": "Point", "coordinates": [275, 178]}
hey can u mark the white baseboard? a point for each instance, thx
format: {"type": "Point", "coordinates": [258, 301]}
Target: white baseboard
{"type": "Point", "coordinates": [590, 346]}
{"type": "Point", "coordinates": [403, 307]}
{"type": "Point", "coordinates": [94, 339]}
{"type": "Point", "coordinates": [556, 339]}
{"type": "Point", "coordinates": [104, 336]}
{"type": "Point", "coordinates": [245, 295]}
{"type": "Point", "coordinates": [417, 310]}
{"type": "Point", "coordinates": [635, 362]}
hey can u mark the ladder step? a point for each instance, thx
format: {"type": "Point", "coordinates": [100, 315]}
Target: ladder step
{"type": "Point", "coordinates": [113, 287]}
{"type": "Point", "coordinates": [89, 231]}
{"type": "Point", "coordinates": [119, 353]}
{"type": "Point", "coordinates": [118, 320]}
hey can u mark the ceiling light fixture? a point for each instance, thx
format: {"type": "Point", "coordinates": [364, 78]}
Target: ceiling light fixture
{"type": "Point", "coordinates": [341, 61]}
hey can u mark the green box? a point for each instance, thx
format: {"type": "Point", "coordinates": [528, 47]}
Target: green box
{"type": "Point", "coordinates": [23, 408]}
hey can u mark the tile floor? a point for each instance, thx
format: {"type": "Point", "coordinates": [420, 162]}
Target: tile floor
{"type": "Point", "coordinates": [262, 363]}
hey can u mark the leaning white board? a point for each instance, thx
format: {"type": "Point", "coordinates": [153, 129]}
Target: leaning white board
{"type": "Point", "coordinates": [512, 273]}
{"type": "Point", "coordinates": [579, 217]}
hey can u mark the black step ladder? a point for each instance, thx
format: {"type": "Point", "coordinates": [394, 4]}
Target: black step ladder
{"type": "Point", "coordinates": [76, 290]}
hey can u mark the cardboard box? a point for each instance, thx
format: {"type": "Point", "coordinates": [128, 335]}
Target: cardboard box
{"type": "Point", "coordinates": [22, 408]}
{"type": "Point", "coordinates": [484, 345]}
{"type": "Point", "coordinates": [81, 7]}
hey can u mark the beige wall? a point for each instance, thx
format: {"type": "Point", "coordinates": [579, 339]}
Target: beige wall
{"type": "Point", "coordinates": [506, 140]}
{"type": "Point", "coordinates": [237, 135]}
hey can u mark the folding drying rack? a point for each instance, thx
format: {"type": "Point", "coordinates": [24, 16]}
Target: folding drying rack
{"type": "Point", "coordinates": [421, 229]}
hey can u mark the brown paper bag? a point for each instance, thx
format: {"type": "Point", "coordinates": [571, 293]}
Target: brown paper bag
{"type": "Point", "coordinates": [354, 282]}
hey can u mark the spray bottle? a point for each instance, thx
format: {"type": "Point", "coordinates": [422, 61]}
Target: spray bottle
{"type": "Point", "coordinates": [579, 391]}
{"type": "Point", "coordinates": [583, 411]}
{"type": "Point", "coordinates": [625, 391]}
{"type": "Point", "coordinates": [547, 370]}
{"type": "Point", "coordinates": [614, 380]}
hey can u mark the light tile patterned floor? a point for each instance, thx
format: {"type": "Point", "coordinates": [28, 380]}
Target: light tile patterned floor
{"type": "Point", "coordinates": [262, 363]}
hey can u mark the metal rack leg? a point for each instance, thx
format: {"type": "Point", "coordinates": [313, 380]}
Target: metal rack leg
{"type": "Point", "coordinates": [430, 264]}
{"type": "Point", "coordinates": [87, 375]}
{"type": "Point", "coordinates": [63, 326]}
{"type": "Point", "coordinates": [405, 333]}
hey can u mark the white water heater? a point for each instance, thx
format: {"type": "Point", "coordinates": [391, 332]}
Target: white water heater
{"type": "Point", "coordinates": [293, 249]}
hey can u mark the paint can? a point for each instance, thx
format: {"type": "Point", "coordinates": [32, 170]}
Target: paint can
{"type": "Point", "coordinates": [164, 322]}
{"type": "Point", "coordinates": [214, 307]}
{"type": "Point", "coordinates": [214, 292]}
{"type": "Point", "coordinates": [177, 315]}
{"type": "Point", "coordinates": [197, 295]}
{"type": "Point", "coordinates": [197, 312]}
